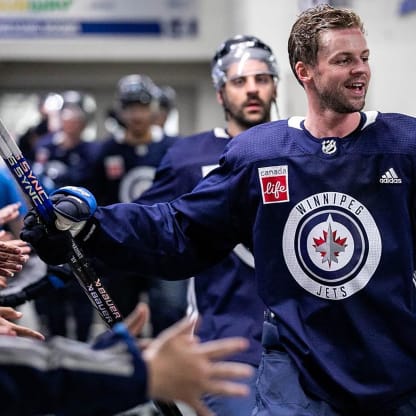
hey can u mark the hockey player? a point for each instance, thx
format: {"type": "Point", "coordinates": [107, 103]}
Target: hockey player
{"type": "Point", "coordinates": [327, 204]}
{"type": "Point", "coordinates": [126, 168]}
{"type": "Point", "coordinates": [244, 73]}
{"type": "Point", "coordinates": [127, 163]}
{"type": "Point", "coordinates": [65, 157]}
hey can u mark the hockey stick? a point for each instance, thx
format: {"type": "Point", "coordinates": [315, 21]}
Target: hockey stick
{"type": "Point", "coordinates": [79, 264]}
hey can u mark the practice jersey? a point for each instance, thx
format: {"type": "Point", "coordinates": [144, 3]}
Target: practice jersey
{"type": "Point", "coordinates": [331, 224]}
{"type": "Point", "coordinates": [57, 165]}
{"type": "Point", "coordinates": [225, 293]}
{"type": "Point", "coordinates": [123, 172]}
{"type": "Point", "coordinates": [66, 377]}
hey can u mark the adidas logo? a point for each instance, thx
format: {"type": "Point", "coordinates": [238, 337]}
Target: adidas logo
{"type": "Point", "coordinates": [390, 177]}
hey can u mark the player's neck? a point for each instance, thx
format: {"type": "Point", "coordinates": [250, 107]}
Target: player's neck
{"type": "Point", "coordinates": [332, 125]}
{"type": "Point", "coordinates": [137, 139]}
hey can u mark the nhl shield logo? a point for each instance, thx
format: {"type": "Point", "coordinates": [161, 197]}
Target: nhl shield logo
{"type": "Point", "coordinates": [274, 184]}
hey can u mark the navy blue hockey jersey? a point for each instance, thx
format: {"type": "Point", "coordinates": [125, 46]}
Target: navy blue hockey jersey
{"type": "Point", "coordinates": [332, 226]}
{"type": "Point", "coordinates": [59, 166]}
{"type": "Point", "coordinates": [123, 172]}
{"type": "Point", "coordinates": [225, 293]}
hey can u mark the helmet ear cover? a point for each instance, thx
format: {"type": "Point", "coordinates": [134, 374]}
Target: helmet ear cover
{"type": "Point", "coordinates": [241, 48]}
{"type": "Point", "coordinates": [167, 97]}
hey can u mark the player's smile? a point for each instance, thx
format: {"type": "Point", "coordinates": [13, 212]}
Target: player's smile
{"type": "Point", "coordinates": [357, 87]}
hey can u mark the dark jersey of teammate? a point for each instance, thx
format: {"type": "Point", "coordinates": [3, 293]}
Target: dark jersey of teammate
{"type": "Point", "coordinates": [225, 293]}
{"type": "Point", "coordinates": [58, 166]}
{"type": "Point", "coordinates": [331, 224]}
{"type": "Point", "coordinates": [67, 377]}
{"type": "Point", "coordinates": [123, 172]}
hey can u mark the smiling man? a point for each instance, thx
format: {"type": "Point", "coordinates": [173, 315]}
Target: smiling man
{"type": "Point", "coordinates": [332, 237]}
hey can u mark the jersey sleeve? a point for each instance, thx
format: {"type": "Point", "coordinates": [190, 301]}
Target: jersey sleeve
{"type": "Point", "coordinates": [178, 239]}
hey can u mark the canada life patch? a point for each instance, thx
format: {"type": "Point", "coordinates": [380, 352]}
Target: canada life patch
{"type": "Point", "coordinates": [274, 184]}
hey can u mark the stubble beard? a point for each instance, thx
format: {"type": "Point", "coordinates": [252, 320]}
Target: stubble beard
{"type": "Point", "coordinates": [338, 103]}
{"type": "Point", "coordinates": [247, 122]}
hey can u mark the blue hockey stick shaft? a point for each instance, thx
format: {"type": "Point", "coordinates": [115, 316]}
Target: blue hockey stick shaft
{"type": "Point", "coordinates": [80, 266]}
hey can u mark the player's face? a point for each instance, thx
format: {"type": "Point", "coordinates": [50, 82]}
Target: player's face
{"type": "Point", "coordinates": [72, 124]}
{"type": "Point", "coordinates": [248, 94]}
{"type": "Point", "coordinates": [138, 119]}
{"type": "Point", "coordinates": [342, 73]}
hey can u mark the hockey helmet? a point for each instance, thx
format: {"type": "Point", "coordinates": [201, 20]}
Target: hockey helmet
{"type": "Point", "coordinates": [85, 102]}
{"type": "Point", "coordinates": [136, 88]}
{"type": "Point", "coordinates": [241, 48]}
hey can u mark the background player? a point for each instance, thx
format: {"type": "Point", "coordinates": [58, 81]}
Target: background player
{"type": "Point", "coordinates": [244, 73]}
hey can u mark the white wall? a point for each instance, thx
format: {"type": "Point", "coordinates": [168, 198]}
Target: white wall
{"type": "Point", "coordinates": [391, 39]}
{"type": "Point", "coordinates": [97, 63]}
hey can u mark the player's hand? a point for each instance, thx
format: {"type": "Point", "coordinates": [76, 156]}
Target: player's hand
{"type": "Point", "coordinates": [181, 368]}
{"type": "Point", "coordinates": [51, 245]}
{"type": "Point", "coordinates": [12, 329]}
{"type": "Point", "coordinates": [133, 324]}
{"type": "Point", "coordinates": [9, 212]}
{"type": "Point", "coordinates": [12, 257]}
{"type": "Point", "coordinates": [73, 207]}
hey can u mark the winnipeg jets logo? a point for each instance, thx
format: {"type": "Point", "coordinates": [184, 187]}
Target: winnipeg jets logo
{"type": "Point", "coordinates": [331, 245]}
{"type": "Point", "coordinates": [329, 147]}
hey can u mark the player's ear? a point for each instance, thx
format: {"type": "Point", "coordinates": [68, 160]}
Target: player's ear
{"type": "Point", "coordinates": [219, 97]}
{"type": "Point", "coordinates": [303, 72]}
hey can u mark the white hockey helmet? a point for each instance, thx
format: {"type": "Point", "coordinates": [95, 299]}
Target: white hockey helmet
{"type": "Point", "coordinates": [241, 48]}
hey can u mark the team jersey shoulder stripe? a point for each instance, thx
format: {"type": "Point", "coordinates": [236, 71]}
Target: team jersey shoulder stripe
{"type": "Point", "coordinates": [295, 122]}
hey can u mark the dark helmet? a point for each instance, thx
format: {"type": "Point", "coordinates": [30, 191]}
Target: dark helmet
{"type": "Point", "coordinates": [241, 48]}
{"type": "Point", "coordinates": [167, 97]}
{"type": "Point", "coordinates": [136, 88]}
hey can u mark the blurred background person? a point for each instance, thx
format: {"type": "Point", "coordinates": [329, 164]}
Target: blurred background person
{"type": "Point", "coordinates": [167, 117]}
{"type": "Point", "coordinates": [48, 111]}
{"type": "Point", "coordinates": [125, 168]}
{"type": "Point", "coordinates": [65, 157]}
{"type": "Point", "coordinates": [128, 158]}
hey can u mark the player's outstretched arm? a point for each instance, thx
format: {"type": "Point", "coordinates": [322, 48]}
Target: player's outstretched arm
{"type": "Point", "coordinates": [181, 368]}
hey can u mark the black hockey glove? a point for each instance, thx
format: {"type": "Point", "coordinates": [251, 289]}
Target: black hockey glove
{"type": "Point", "coordinates": [74, 208]}
{"type": "Point", "coordinates": [52, 246]}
